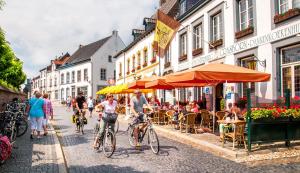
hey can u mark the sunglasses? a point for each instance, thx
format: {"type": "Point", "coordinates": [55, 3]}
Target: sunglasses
{"type": "Point", "coordinates": [110, 96]}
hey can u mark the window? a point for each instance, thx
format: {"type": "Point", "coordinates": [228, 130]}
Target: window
{"type": "Point", "coordinates": [62, 79]}
{"type": "Point", "coordinates": [68, 78]}
{"type": "Point", "coordinates": [102, 74]}
{"type": "Point", "coordinates": [85, 75]}
{"type": "Point", "coordinates": [283, 6]}
{"type": "Point", "coordinates": [78, 75]}
{"type": "Point", "coordinates": [183, 44]}
{"type": "Point", "coordinates": [83, 89]}
{"type": "Point", "coordinates": [50, 82]}
{"type": "Point", "coordinates": [168, 55]}
{"type": "Point", "coordinates": [245, 14]}
{"type": "Point", "coordinates": [146, 56]}
{"type": "Point", "coordinates": [56, 94]}
{"type": "Point", "coordinates": [73, 76]}
{"type": "Point", "coordinates": [73, 91]}
{"type": "Point", "coordinates": [67, 92]}
{"type": "Point", "coordinates": [153, 52]}
{"type": "Point", "coordinates": [128, 65]}
{"type": "Point", "coordinates": [217, 27]}
{"type": "Point", "coordinates": [62, 94]}
{"type": "Point", "coordinates": [55, 81]}
{"type": "Point", "coordinates": [290, 63]}
{"type": "Point", "coordinates": [133, 62]}
{"type": "Point", "coordinates": [197, 37]}
{"type": "Point", "coordinates": [250, 63]}
{"type": "Point", "coordinates": [138, 59]}
{"type": "Point", "coordinates": [120, 69]}
{"type": "Point", "coordinates": [114, 74]}
{"type": "Point", "coordinates": [182, 7]}
{"type": "Point", "coordinates": [44, 83]}
{"type": "Point", "coordinates": [109, 58]}
{"type": "Point", "coordinates": [296, 3]}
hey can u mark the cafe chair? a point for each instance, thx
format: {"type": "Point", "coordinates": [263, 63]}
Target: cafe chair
{"type": "Point", "coordinates": [205, 119]}
{"type": "Point", "coordinates": [159, 116]}
{"type": "Point", "coordinates": [169, 116]}
{"type": "Point", "coordinates": [238, 134]}
{"type": "Point", "coordinates": [188, 123]}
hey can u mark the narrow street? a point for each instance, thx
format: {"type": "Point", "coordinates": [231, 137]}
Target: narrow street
{"type": "Point", "coordinates": [173, 157]}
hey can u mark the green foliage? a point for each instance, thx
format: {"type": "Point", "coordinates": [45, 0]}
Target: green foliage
{"type": "Point", "coordinates": [222, 104]}
{"type": "Point", "coordinates": [11, 68]}
{"type": "Point", "coordinates": [2, 3]}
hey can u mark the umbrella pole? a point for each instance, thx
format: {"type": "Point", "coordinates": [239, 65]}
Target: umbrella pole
{"type": "Point", "coordinates": [214, 107]}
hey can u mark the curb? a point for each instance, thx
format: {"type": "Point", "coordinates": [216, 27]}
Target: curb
{"type": "Point", "coordinates": [62, 165]}
{"type": "Point", "coordinates": [197, 143]}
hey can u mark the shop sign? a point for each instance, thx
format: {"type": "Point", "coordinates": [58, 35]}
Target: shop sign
{"type": "Point", "coordinates": [245, 45]}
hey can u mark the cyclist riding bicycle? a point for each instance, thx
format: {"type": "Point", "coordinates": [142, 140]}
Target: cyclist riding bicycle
{"type": "Point", "coordinates": [109, 116]}
{"type": "Point", "coordinates": [137, 103]}
{"type": "Point", "coordinates": [80, 105]}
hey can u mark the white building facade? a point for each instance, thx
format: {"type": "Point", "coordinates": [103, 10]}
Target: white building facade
{"type": "Point", "coordinates": [90, 67]}
{"type": "Point", "coordinates": [261, 35]}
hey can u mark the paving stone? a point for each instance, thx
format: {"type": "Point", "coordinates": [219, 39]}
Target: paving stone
{"type": "Point", "coordinates": [173, 157]}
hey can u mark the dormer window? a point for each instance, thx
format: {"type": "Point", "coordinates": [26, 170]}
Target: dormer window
{"type": "Point", "coordinates": [109, 58]}
{"type": "Point", "coordinates": [182, 7]}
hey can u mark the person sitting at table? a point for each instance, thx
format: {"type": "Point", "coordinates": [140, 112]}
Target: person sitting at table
{"type": "Point", "coordinates": [195, 107]}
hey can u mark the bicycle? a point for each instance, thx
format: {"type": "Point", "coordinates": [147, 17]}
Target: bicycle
{"type": "Point", "coordinates": [149, 130]}
{"type": "Point", "coordinates": [80, 122]}
{"type": "Point", "coordinates": [108, 142]}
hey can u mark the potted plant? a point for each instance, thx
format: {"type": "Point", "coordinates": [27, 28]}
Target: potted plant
{"type": "Point", "coordinates": [153, 60]}
{"type": "Point", "coordinates": [287, 15]}
{"type": "Point", "coordinates": [183, 57]}
{"type": "Point", "coordinates": [128, 73]}
{"type": "Point", "coordinates": [138, 67]}
{"type": "Point", "coordinates": [145, 64]}
{"type": "Point", "coordinates": [244, 32]}
{"type": "Point", "coordinates": [197, 51]}
{"type": "Point", "coordinates": [133, 70]}
{"type": "Point", "coordinates": [216, 43]}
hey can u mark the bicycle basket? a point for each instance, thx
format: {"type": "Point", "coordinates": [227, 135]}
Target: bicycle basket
{"type": "Point", "coordinates": [110, 117]}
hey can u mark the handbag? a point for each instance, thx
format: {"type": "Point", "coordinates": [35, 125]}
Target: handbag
{"type": "Point", "coordinates": [110, 117]}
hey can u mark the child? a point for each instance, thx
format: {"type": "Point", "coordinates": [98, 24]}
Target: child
{"type": "Point", "coordinates": [48, 110]}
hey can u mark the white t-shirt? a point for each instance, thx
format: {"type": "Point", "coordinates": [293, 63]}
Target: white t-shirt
{"type": "Point", "coordinates": [90, 103]}
{"type": "Point", "coordinates": [109, 108]}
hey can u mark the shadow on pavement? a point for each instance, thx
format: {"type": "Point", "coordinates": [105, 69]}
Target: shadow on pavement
{"type": "Point", "coordinates": [104, 168]}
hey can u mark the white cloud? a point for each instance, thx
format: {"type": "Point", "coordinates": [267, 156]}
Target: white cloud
{"type": "Point", "coordinates": [39, 30]}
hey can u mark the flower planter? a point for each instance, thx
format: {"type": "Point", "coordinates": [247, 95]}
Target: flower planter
{"type": "Point", "coordinates": [287, 15]}
{"type": "Point", "coordinates": [183, 58]}
{"type": "Point", "coordinates": [273, 130]}
{"type": "Point", "coordinates": [153, 60]}
{"type": "Point", "coordinates": [197, 51]}
{"type": "Point", "coordinates": [215, 44]}
{"type": "Point", "coordinates": [120, 74]}
{"type": "Point", "coordinates": [128, 73]}
{"type": "Point", "coordinates": [244, 32]}
{"type": "Point", "coordinates": [138, 67]}
{"type": "Point", "coordinates": [133, 70]}
{"type": "Point", "coordinates": [167, 64]}
{"type": "Point", "coordinates": [145, 64]}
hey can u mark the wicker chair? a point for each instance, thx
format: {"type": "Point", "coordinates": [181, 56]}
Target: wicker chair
{"type": "Point", "coordinates": [159, 116]}
{"type": "Point", "coordinates": [205, 116]}
{"type": "Point", "coordinates": [220, 115]}
{"type": "Point", "coordinates": [169, 116]}
{"type": "Point", "coordinates": [188, 123]}
{"type": "Point", "coordinates": [238, 135]}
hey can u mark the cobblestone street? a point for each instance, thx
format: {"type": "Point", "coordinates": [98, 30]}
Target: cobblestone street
{"type": "Point", "coordinates": [173, 157]}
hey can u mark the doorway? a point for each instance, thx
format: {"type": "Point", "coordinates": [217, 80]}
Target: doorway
{"type": "Point", "coordinates": [219, 96]}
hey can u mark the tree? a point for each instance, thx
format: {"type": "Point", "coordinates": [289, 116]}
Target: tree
{"type": "Point", "coordinates": [1, 4]}
{"type": "Point", "coordinates": [11, 68]}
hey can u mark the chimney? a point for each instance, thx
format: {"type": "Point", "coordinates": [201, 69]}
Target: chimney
{"type": "Point", "coordinates": [115, 33]}
{"type": "Point", "coordinates": [80, 46]}
{"type": "Point", "coordinates": [149, 23]}
{"type": "Point", "coordinates": [136, 33]}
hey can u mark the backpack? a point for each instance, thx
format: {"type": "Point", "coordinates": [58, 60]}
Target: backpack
{"type": "Point", "coordinates": [5, 148]}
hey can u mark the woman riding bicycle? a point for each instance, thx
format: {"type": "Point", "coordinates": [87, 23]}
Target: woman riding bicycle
{"type": "Point", "coordinates": [109, 116]}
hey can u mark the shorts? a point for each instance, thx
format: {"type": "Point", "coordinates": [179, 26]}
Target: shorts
{"type": "Point", "coordinates": [36, 123]}
{"type": "Point", "coordinates": [140, 119]}
{"type": "Point", "coordinates": [45, 122]}
{"type": "Point", "coordinates": [91, 109]}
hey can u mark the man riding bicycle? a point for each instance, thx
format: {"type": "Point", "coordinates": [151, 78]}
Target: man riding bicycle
{"type": "Point", "coordinates": [137, 103]}
{"type": "Point", "coordinates": [109, 116]}
{"type": "Point", "coordinates": [80, 105]}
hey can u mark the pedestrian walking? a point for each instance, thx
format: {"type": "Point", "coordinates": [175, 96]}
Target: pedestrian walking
{"type": "Point", "coordinates": [69, 103]}
{"type": "Point", "coordinates": [36, 114]}
{"type": "Point", "coordinates": [73, 104]}
{"type": "Point", "coordinates": [90, 103]}
{"type": "Point", "coordinates": [48, 110]}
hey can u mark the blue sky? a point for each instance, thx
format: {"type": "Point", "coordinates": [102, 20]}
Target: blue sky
{"type": "Point", "coordinates": [40, 30]}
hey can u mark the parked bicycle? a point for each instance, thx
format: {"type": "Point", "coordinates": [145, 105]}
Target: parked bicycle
{"type": "Point", "coordinates": [149, 130]}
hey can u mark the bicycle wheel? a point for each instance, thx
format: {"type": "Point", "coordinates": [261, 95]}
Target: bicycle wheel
{"type": "Point", "coordinates": [153, 141]}
{"type": "Point", "coordinates": [116, 126]}
{"type": "Point", "coordinates": [109, 144]}
{"type": "Point", "coordinates": [81, 126]}
{"type": "Point", "coordinates": [130, 135]}
{"type": "Point", "coordinates": [22, 126]}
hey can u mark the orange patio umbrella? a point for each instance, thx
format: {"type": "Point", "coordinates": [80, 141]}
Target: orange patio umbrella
{"type": "Point", "coordinates": [218, 73]}
{"type": "Point", "coordinates": [140, 84]}
{"type": "Point", "coordinates": [161, 83]}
